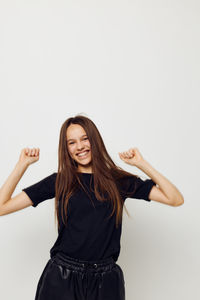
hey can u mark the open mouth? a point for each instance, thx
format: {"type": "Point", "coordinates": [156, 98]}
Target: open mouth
{"type": "Point", "coordinates": [83, 154]}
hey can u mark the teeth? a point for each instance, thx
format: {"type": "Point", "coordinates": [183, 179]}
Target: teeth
{"type": "Point", "coordinates": [82, 154]}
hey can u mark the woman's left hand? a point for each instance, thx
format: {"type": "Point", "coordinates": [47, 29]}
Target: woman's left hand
{"type": "Point", "coordinates": [132, 157]}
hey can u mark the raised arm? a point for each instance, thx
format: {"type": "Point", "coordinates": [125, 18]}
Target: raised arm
{"type": "Point", "coordinates": [166, 192]}
{"type": "Point", "coordinates": [21, 200]}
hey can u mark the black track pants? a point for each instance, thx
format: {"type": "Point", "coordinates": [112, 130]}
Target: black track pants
{"type": "Point", "coordinates": [66, 278]}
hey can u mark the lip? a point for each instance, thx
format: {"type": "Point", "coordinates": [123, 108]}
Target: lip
{"type": "Point", "coordinates": [83, 151]}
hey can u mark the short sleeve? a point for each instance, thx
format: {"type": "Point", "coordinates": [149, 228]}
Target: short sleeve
{"type": "Point", "coordinates": [41, 190]}
{"type": "Point", "coordinates": [135, 187]}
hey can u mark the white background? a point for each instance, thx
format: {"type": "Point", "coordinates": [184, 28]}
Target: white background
{"type": "Point", "coordinates": [133, 68]}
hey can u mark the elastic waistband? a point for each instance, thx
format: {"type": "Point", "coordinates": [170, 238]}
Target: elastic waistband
{"type": "Point", "coordinates": [83, 264]}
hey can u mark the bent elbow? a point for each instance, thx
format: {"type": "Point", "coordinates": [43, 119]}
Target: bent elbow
{"type": "Point", "coordinates": [179, 202]}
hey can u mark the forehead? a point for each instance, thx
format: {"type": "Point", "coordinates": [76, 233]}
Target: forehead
{"type": "Point", "coordinates": [75, 131]}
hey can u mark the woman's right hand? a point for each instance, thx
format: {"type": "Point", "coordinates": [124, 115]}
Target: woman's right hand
{"type": "Point", "coordinates": [29, 156]}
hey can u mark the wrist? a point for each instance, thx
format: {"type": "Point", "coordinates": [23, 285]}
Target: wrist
{"type": "Point", "coordinates": [21, 165]}
{"type": "Point", "coordinates": [142, 164]}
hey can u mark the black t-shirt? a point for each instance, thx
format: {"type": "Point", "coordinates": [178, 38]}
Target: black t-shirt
{"type": "Point", "coordinates": [89, 234]}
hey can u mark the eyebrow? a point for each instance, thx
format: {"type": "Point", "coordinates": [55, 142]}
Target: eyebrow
{"type": "Point", "coordinates": [74, 139]}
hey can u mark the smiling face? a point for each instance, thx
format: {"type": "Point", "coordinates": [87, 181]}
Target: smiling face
{"type": "Point", "coordinates": [78, 146]}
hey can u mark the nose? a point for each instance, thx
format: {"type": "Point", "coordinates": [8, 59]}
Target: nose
{"type": "Point", "coordinates": [80, 146]}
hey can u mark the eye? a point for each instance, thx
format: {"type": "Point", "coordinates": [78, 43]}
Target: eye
{"type": "Point", "coordinates": [83, 139]}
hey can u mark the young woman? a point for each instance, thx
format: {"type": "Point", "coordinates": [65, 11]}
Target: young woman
{"type": "Point", "coordinates": [89, 191]}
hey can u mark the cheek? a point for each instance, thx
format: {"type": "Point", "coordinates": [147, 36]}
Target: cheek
{"type": "Point", "coordinates": [71, 151]}
{"type": "Point", "coordinates": [88, 144]}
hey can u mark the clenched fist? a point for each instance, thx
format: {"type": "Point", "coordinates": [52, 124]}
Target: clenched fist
{"type": "Point", "coordinates": [132, 156]}
{"type": "Point", "coordinates": [29, 156]}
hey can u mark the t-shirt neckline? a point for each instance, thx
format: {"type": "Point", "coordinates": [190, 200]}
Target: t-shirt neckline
{"type": "Point", "coordinates": [85, 173]}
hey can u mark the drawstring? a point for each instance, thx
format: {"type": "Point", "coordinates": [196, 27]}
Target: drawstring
{"type": "Point", "coordinates": [101, 280]}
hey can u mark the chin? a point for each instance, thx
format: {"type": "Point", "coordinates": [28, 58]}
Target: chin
{"type": "Point", "coordinates": [84, 163]}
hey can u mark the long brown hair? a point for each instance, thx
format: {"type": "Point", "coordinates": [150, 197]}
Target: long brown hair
{"type": "Point", "coordinates": [105, 171]}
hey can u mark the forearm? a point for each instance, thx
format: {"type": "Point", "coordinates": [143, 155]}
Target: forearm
{"type": "Point", "coordinates": [164, 184]}
{"type": "Point", "coordinates": [10, 184]}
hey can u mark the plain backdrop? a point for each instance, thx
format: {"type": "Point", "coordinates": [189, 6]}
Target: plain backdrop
{"type": "Point", "coordinates": [133, 68]}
